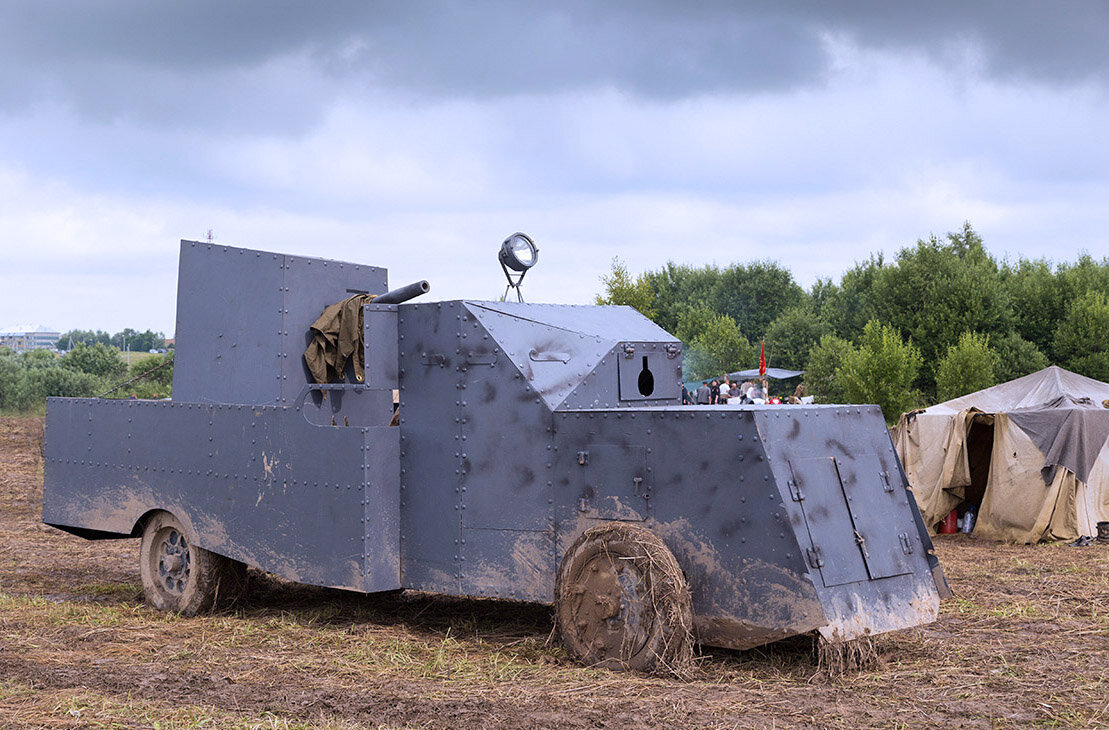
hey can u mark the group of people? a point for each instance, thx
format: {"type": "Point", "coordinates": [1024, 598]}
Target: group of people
{"type": "Point", "coordinates": [720, 392]}
{"type": "Point", "coordinates": [724, 392]}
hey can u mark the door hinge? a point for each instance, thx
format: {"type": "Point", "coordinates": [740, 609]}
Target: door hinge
{"type": "Point", "coordinates": [814, 557]}
{"type": "Point", "coordinates": [887, 482]}
{"type": "Point", "coordinates": [795, 491]}
{"type": "Point", "coordinates": [906, 543]}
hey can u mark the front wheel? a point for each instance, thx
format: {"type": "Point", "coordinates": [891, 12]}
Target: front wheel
{"type": "Point", "coordinates": [180, 577]}
{"type": "Point", "coordinates": [622, 602]}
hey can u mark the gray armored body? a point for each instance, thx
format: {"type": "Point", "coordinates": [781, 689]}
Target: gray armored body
{"type": "Point", "coordinates": [539, 453]}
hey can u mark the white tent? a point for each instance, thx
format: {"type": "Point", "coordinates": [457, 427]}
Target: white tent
{"type": "Point", "coordinates": [1030, 453]}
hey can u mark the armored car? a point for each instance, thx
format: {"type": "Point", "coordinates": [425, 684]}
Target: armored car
{"type": "Point", "coordinates": [534, 452]}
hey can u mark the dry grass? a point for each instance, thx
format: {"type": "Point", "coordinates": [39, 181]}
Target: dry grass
{"type": "Point", "coordinates": [1024, 643]}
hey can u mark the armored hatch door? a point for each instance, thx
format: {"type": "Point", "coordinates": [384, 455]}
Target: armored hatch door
{"type": "Point", "coordinates": [833, 550]}
{"type": "Point", "coordinates": [879, 512]}
{"type": "Point", "coordinates": [851, 517]}
{"type": "Point", "coordinates": [610, 482]}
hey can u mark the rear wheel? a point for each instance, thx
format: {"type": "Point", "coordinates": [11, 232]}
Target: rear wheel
{"type": "Point", "coordinates": [622, 601]}
{"type": "Point", "coordinates": [178, 576]}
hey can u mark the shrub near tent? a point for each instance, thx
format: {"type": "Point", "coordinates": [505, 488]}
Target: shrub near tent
{"type": "Point", "coordinates": [969, 365]}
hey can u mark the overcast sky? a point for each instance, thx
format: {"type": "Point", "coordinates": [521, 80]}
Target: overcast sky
{"type": "Point", "coordinates": [417, 135]}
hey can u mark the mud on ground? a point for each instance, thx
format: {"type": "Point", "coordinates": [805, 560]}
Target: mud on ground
{"type": "Point", "coordinates": [1025, 643]}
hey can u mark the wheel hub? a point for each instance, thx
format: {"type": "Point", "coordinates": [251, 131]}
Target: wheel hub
{"type": "Point", "coordinates": [613, 617]}
{"type": "Point", "coordinates": [173, 562]}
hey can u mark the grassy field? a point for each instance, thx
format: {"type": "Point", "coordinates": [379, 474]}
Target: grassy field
{"type": "Point", "coordinates": [131, 357]}
{"type": "Point", "coordinates": [1024, 643]}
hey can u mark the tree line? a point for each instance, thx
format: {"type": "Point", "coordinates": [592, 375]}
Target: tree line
{"type": "Point", "coordinates": [28, 378]}
{"type": "Point", "coordinates": [941, 319]}
{"type": "Point", "coordinates": [128, 339]}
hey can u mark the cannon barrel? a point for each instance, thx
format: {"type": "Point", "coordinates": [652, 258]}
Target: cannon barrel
{"type": "Point", "coordinates": [403, 294]}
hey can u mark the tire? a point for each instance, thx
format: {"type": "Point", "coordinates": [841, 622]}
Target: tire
{"type": "Point", "coordinates": [180, 577]}
{"type": "Point", "coordinates": [622, 602]}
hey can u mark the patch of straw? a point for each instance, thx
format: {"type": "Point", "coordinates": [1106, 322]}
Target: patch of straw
{"type": "Point", "coordinates": [837, 658]}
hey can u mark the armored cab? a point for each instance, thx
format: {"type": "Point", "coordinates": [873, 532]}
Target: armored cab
{"type": "Point", "coordinates": [539, 452]}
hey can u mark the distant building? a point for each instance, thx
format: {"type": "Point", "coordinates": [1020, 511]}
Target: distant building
{"type": "Point", "coordinates": [30, 337]}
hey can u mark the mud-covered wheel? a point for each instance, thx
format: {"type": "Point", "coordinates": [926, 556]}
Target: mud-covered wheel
{"type": "Point", "coordinates": [622, 602]}
{"type": "Point", "coordinates": [178, 576]}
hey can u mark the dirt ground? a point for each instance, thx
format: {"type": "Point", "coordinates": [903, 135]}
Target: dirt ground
{"type": "Point", "coordinates": [1025, 643]}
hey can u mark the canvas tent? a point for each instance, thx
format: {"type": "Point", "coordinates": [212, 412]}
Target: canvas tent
{"type": "Point", "coordinates": [1030, 454]}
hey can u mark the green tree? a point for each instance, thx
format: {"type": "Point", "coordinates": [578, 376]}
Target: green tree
{"type": "Point", "coordinates": [1083, 276]}
{"type": "Point", "coordinates": [940, 289]}
{"type": "Point", "coordinates": [621, 288]}
{"type": "Point", "coordinates": [822, 370]}
{"type": "Point", "coordinates": [792, 334]}
{"type": "Point", "coordinates": [969, 365]}
{"type": "Point", "coordinates": [675, 288]}
{"type": "Point", "coordinates": [146, 341]}
{"type": "Point", "coordinates": [754, 294]}
{"type": "Point", "coordinates": [1080, 340]}
{"type": "Point", "coordinates": [131, 339]}
{"type": "Point", "coordinates": [16, 393]}
{"type": "Point", "coordinates": [849, 306]}
{"type": "Point", "coordinates": [37, 359]}
{"type": "Point", "coordinates": [1016, 357]}
{"type": "Point", "coordinates": [692, 321]}
{"type": "Point", "coordinates": [882, 370]}
{"type": "Point", "coordinates": [1039, 301]}
{"type": "Point", "coordinates": [82, 337]}
{"type": "Point", "coordinates": [125, 340]}
{"type": "Point", "coordinates": [99, 360]}
{"type": "Point", "coordinates": [820, 292]}
{"type": "Point", "coordinates": [718, 348]}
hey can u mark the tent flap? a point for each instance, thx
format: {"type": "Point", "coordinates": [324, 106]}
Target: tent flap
{"type": "Point", "coordinates": [1068, 437]}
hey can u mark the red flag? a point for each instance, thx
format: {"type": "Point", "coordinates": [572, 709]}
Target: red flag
{"type": "Point", "coordinates": [762, 361]}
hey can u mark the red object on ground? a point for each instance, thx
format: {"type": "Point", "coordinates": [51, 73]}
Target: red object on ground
{"type": "Point", "coordinates": [950, 526]}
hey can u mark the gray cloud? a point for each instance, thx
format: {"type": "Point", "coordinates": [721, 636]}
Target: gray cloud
{"type": "Point", "coordinates": [278, 65]}
{"type": "Point", "coordinates": [811, 132]}
{"type": "Point", "coordinates": [1015, 39]}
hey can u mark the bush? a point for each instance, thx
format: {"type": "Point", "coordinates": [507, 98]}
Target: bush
{"type": "Point", "coordinates": [793, 334]}
{"type": "Point", "coordinates": [882, 371]}
{"type": "Point", "coordinates": [38, 359]}
{"type": "Point", "coordinates": [153, 364]}
{"type": "Point", "coordinates": [716, 349]}
{"type": "Point", "coordinates": [824, 361]}
{"type": "Point", "coordinates": [99, 360]}
{"type": "Point", "coordinates": [28, 379]}
{"type": "Point", "coordinates": [1017, 357]}
{"type": "Point", "coordinates": [622, 288]}
{"type": "Point", "coordinates": [15, 389]}
{"type": "Point", "coordinates": [59, 381]}
{"type": "Point", "coordinates": [1081, 337]}
{"type": "Point", "coordinates": [969, 365]}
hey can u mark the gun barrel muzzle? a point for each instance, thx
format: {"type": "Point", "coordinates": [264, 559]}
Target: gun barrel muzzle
{"type": "Point", "coordinates": [403, 294]}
